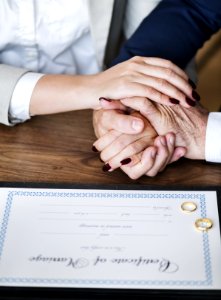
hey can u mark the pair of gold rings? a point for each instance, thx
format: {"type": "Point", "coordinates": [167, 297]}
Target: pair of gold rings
{"type": "Point", "coordinates": [202, 224]}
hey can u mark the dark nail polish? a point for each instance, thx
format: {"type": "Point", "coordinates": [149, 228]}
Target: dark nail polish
{"type": "Point", "coordinates": [94, 149]}
{"type": "Point", "coordinates": [192, 84]}
{"type": "Point", "coordinates": [195, 96]}
{"type": "Point", "coordinates": [106, 167]}
{"type": "Point", "coordinates": [106, 99]}
{"type": "Point", "coordinates": [125, 161]}
{"type": "Point", "coordinates": [190, 102]}
{"type": "Point", "coordinates": [174, 101]}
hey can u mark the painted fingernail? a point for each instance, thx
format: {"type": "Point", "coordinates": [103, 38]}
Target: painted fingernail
{"type": "Point", "coordinates": [137, 125]}
{"type": "Point", "coordinates": [94, 149]}
{"type": "Point", "coordinates": [126, 161]}
{"type": "Point", "coordinates": [190, 102]}
{"type": "Point", "coordinates": [174, 101]}
{"type": "Point", "coordinates": [106, 167]}
{"type": "Point", "coordinates": [106, 99]}
{"type": "Point", "coordinates": [195, 96]}
{"type": "Point", "coordinates": [192, 83]}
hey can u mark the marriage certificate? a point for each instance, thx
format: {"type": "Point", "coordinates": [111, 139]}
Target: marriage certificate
{"type": "Point", "coordinates": [94, 238]}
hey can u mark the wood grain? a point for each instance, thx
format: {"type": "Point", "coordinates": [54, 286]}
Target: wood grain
{"type": "Point", "coordinates": [57, 149]}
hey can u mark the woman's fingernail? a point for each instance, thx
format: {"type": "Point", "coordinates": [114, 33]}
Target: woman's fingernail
{"type": "Point", "coordinates": [106, 99]}
{"type": "Point", "coordinates": [190, 102]}
{"type": "Point", "coordinates": [174, 101]}
{"type": "Point", "coordinates": [195, 96]}
{"type": "Point", "coordinates": [94, 149]}
{"type": "Point", "coordinates": [192, 83]}
{"type": "Point", "coordinates": [126, 161]}
{"type": "Point", "coordinates": [137, 125]}
{"type": "Point", "coordinates": [106, 167]}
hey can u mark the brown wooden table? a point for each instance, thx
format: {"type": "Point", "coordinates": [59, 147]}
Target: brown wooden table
{"type": "Point", "coordinates": [57, 149]}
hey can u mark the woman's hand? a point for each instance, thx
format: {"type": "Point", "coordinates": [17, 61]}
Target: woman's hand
{"type": "Point", "coordinates": [154, 78]}
{"type": "Point", "coordinates": [144, 153]}
{"type": "Point", "coordinates": [154, 159]}
{"type": "Point", "coordinates": [150, 161]}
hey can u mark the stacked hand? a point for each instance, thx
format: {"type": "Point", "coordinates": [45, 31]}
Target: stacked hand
{"type": "Point", "coordinates": [168, 133]}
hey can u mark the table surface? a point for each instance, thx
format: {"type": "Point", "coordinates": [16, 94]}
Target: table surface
{"type": "Point", "coordinates": [57, 149]}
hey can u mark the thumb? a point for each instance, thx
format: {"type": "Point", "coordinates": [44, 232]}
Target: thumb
{"type": "Point", "coordinates": [145, 106]}
{"type": "Point", "coordinates": [117, 120]}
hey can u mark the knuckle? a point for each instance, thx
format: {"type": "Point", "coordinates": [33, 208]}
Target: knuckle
{"type": "Point", "coordinates": [135, 58]}
{"type": "Point", "coordinates": [162, 82]}
{"type": "Point", "coordinates": [169, 73]}
{"type": "Point", "coordinates": [163, 98]}
{"type": "Point", "coordinates": [169, 63]}
{"type": "Point", "coordinates": [151, 92]}
{"type": "Point", "coordinates": [120, 144]}
{"type": "Point", "coordinates": [132, 65]}
{"type": "Point", "coordinates": [123, 82]}
{"type": "Point", "coordinates": [143, 102]}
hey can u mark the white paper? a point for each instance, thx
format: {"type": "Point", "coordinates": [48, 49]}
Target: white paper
{"type": "Point", "coordinates": [108, 239]}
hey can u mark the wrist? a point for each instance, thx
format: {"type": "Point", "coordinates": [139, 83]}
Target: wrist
{"type": "Point", "coordinates": [88, 92]}
{"type": "Point", "coordinates": [62, 93]}
{"type": "Point", "coordinates": [197, 138]}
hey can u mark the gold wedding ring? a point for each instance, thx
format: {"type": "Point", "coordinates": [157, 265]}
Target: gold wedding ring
{"type": "Point", "coordinates": [204, 224]}
{"type": "Point", "coordinates": [188, 207]}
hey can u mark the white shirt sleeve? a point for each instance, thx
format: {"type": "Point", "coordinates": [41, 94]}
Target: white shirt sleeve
{"type": "Point", "coordinates": [213, 138]}
{"type": "Point", "coordinates": [20, 101]}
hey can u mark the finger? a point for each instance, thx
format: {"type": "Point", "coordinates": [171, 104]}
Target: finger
{"type": "Point", "coordinates": [124, 156]}
{"type": "Point", "coordinates": [161, 157]}
{"type": "Point", "coordinates": [162, 91]}
{"type": "Point", "coordinates": [178, 153]}
{"type": "Point", "coordinates": [164, 78]}
{"type": "Point", "coordinates": [168, 69]}
{"type": "Point", "coordinates": [106, 140]}
{"type": "Point", "coordinates": [155, 61]}
{"type": "Point", "coordinates": [125, 145]}
{"type": "Point", "coordinates": [170, 141]}
{"type": "Point", "coordinates": [144, 106]}
{"type": "Point", "coordinates": [112, 119]}
{"type": "Point", "coordinates": [142, 167]}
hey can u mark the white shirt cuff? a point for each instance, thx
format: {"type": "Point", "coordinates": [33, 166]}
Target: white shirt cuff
{"type": "Point", "coordinates": [20, 101]}
{"type": "Point", "coordinates": [213, 138]}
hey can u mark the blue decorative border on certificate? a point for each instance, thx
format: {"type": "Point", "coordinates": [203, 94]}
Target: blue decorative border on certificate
{"type": "Point", "coordinates": [88, 282]}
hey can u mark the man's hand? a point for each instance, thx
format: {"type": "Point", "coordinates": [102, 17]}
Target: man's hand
{"type": "Point", "coordinates": [189, 125]}
{"type": "Point", "coordinates": [105, 120]}
{"type": "Point", "coordinates": [139, 154]}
